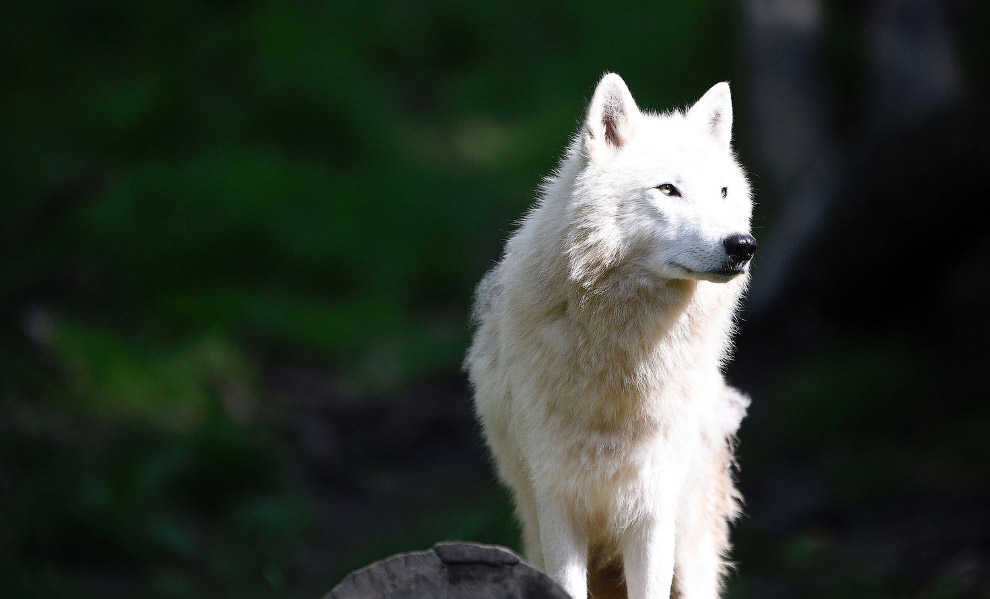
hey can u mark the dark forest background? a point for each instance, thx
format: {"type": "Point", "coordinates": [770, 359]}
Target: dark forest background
{"type": "Point", "coordinates": [238, 242]}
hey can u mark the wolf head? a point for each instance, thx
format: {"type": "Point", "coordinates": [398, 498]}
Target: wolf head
{"type": "Point", "coordinates": [662, 193]}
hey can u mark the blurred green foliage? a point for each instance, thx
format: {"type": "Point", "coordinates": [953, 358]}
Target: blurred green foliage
{"type": "Point", "coordinates": [110, 511]}
{"type": "Point", "coordinates": [322, 175]}
{"type": "Point", "coordinates": [315, 174]}
{"type": "Point", "coordinates": [193, 192]}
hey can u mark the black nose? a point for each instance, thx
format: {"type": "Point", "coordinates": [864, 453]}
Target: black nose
{"type": "Point", "coordinates": [740, 248]}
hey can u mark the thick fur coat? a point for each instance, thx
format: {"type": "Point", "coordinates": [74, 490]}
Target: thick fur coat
{"type": "Point", "coordinates": [601, 337]}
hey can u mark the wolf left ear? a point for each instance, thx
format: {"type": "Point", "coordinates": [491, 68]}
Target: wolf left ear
{"type": "Point", "coordinates": [612, 118]}
{"type": "Point", "coordinates": [713, 113]}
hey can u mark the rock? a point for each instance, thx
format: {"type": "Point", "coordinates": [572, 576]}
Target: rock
{"type": "Point", "coordinates": [449, 571]}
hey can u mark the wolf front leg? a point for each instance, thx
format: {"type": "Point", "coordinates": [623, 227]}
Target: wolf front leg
{"type": "Point", "coordinates": [710, 503]}
{"type": "Point", "coordinates": [703, 530]}
{"type": "Point", "coordinates": [565, 549]}
{"type": "Point", "coordinates": [528, 515]}
{"type": "Point", "coordinates": [648, 557]}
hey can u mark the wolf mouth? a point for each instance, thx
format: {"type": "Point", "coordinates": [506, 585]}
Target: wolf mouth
{"type": "Point", "coordinates": [724, 271]}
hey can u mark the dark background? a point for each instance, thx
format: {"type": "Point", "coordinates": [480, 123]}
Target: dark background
{"type": "Point", "coordinates": [238, 242]}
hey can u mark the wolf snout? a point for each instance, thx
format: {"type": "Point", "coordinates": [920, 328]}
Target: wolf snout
{"type": "Point", "coordinates": [740, 248]}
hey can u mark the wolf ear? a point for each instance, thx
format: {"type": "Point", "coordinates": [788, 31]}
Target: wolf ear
{"type": "Point", "coordinates": [713, 113]}
{"type": "Point", "coordinates": [612, 118]}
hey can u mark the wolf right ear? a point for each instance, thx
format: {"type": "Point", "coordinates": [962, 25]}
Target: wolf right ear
{"type": "Point", "coordinates": [612, 118]}
{"type": "Point", "coordinates": [713, 113]}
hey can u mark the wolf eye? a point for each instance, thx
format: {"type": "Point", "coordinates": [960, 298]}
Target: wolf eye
{"type": "Point", "coordinates": [725, 191]}
{"type": "Point", "coordinates": [669, 190]}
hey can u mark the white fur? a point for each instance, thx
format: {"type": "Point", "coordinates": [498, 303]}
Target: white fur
{"type": "Point", "coordinates": [597, 359]}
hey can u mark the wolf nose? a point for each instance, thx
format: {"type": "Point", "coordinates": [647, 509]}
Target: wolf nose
{"type": "Point", "coordinates": [740, 248]}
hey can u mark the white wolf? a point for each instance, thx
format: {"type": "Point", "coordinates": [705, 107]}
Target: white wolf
{"type": "Point", "coordinates": [601, 337]}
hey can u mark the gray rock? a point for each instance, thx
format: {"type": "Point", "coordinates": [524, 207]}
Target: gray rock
{"type": "Point", "coordinates": [449, 571]}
